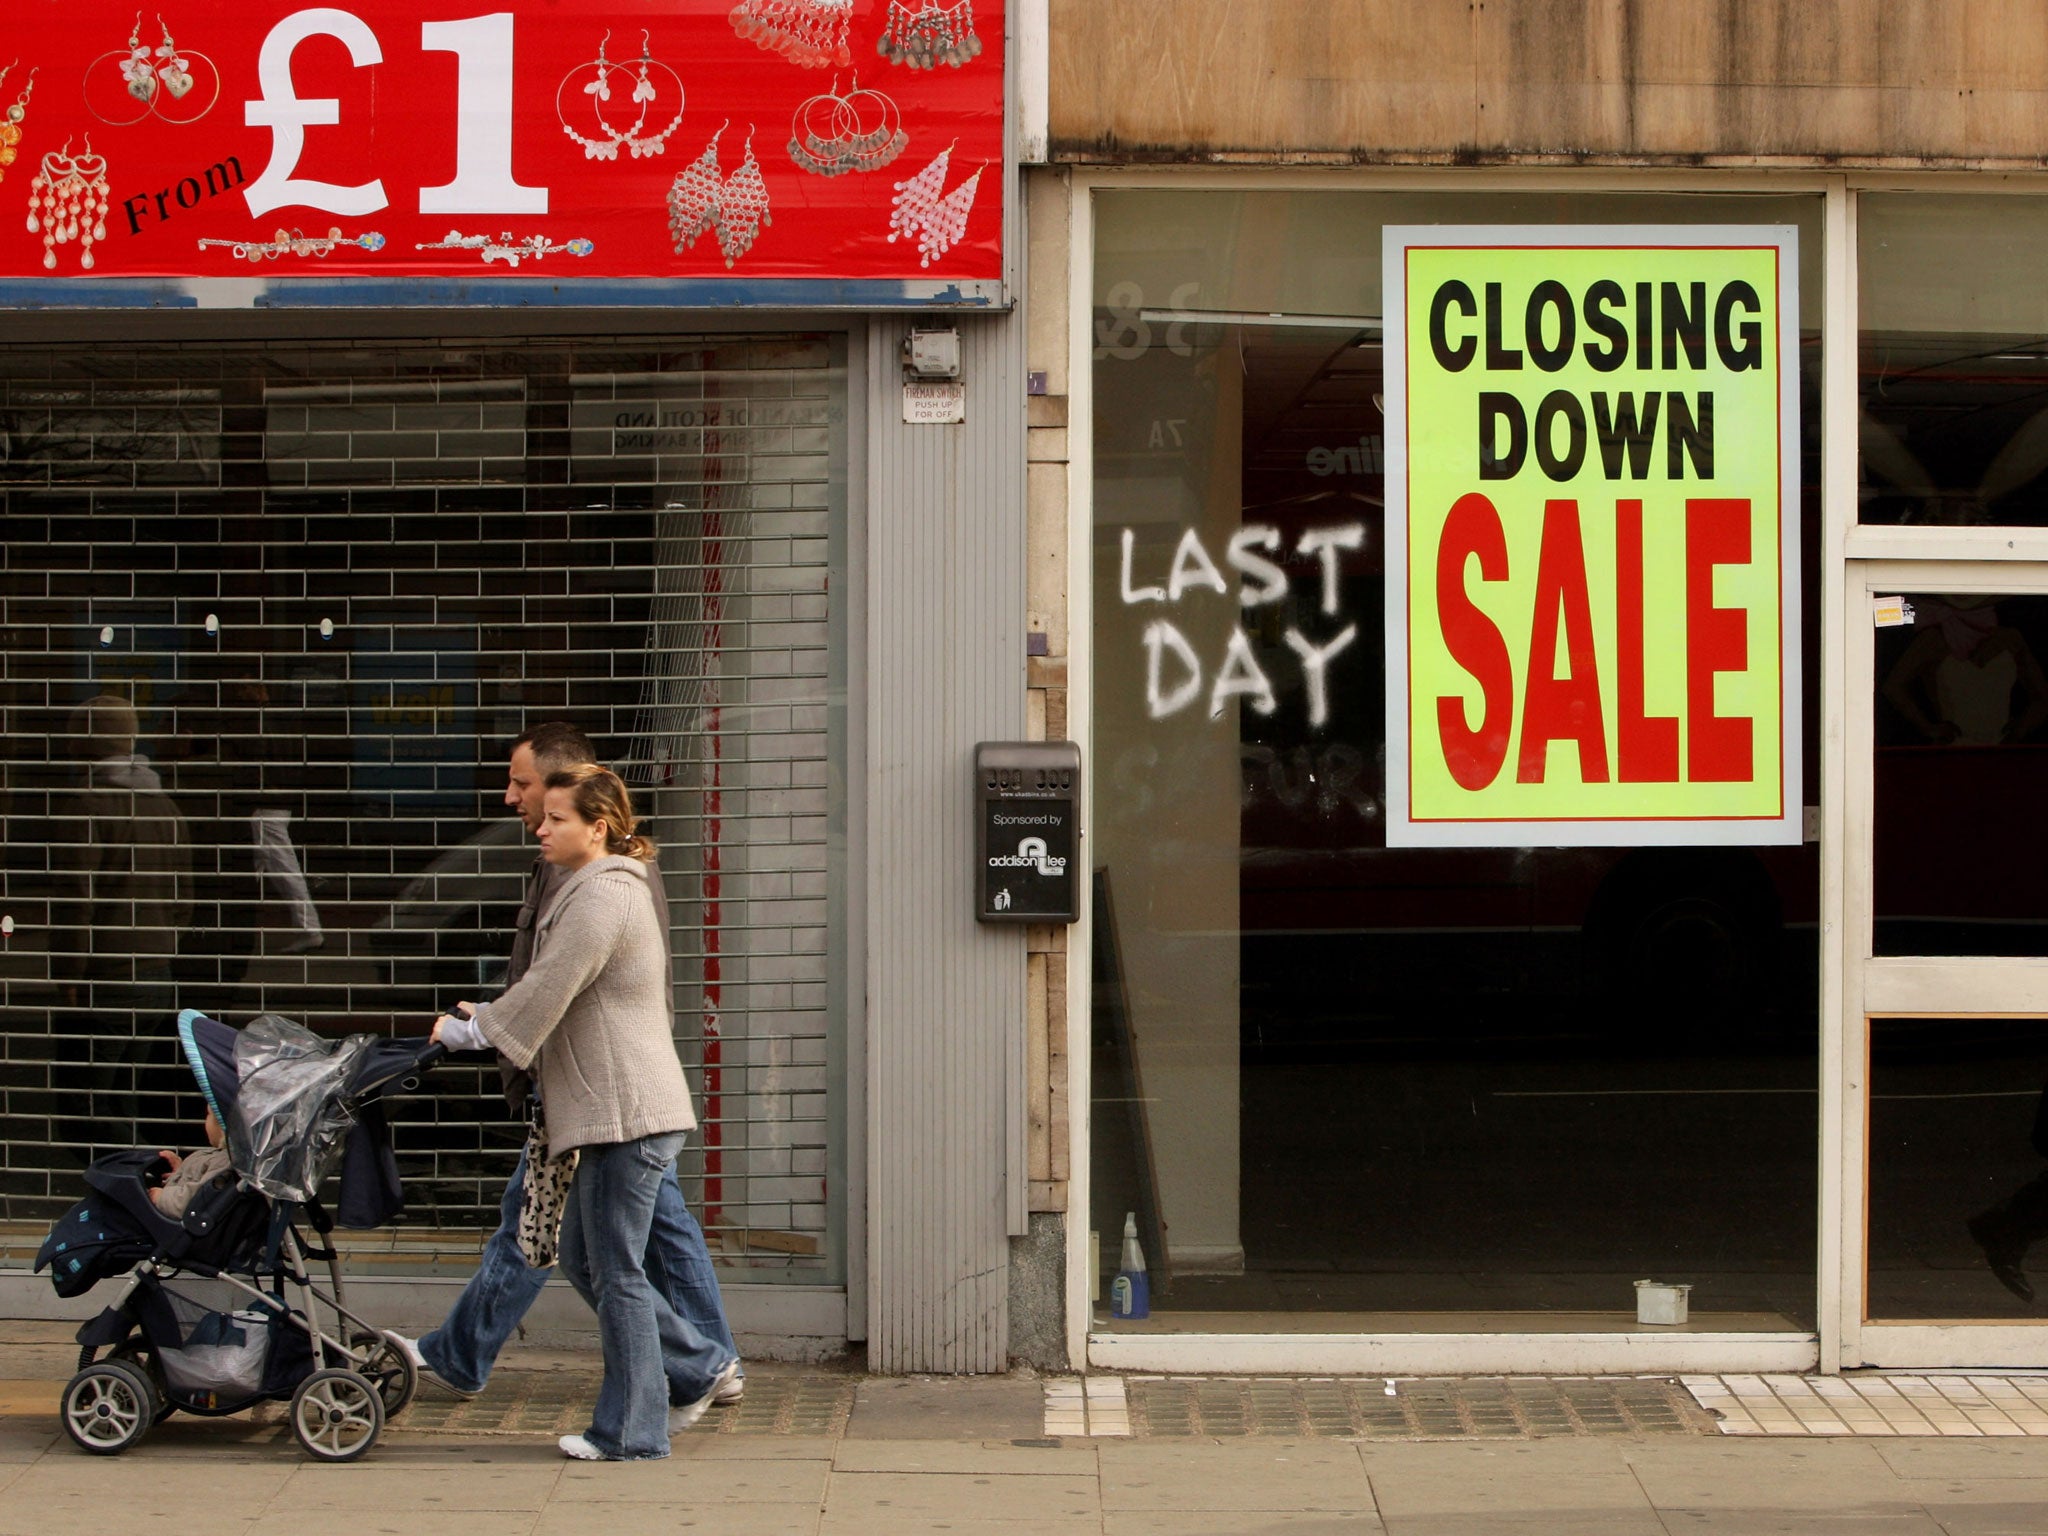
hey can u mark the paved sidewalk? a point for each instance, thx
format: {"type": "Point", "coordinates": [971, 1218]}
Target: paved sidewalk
{"type": "Point", "coordinates": [968, 1457]}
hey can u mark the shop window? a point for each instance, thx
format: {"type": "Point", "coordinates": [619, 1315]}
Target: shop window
{"type": "Point", "coordinates": [1952, 360]}
{"type": "Point", "coordinates": [271, 616]}
{"type": "Point", "coordinates": [1329, 1075]}
{"type": "Point", "coordinates": [1958, 1169]}
{"type": "Point", "coordinates": [1958, 831]}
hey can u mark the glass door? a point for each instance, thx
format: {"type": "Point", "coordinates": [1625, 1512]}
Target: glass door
{"type": "Point", "coordinates": [1946, 1044]}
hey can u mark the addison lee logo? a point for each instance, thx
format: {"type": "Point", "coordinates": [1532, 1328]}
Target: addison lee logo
{"type": "Point", "coordinates": [1030, 854]}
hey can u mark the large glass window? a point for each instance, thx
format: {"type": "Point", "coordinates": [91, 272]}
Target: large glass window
{"type": "Point", "coordinates": [1953, 358]}
{"type": "Point", "coordinates": [1336, 1077]}
{"type": "Point", "coordinates": [271, 616]}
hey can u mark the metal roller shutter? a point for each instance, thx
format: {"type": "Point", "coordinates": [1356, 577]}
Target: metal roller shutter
{"type": "Point", "coordinates": [331, 582]}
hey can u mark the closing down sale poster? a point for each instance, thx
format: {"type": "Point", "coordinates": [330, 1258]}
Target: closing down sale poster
{"type": "Point", "coordinates": [1592, 562]}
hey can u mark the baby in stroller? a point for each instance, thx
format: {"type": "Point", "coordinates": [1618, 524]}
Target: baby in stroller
{"type": "Point", "coordinates": [185, 1174]}
{"type": "Point", "coordinates": [219, 1310]}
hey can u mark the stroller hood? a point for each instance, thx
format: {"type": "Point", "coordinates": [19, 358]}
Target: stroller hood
{"type": "Point", "coordinates": [286, 1096]}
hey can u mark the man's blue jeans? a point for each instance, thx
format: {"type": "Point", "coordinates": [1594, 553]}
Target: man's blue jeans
{"type": "Point", "coordinates": [650, 1353]}
{"type": "Point", "coordinates": [466, 1345]}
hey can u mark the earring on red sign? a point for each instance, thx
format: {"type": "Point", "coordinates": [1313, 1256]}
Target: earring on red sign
{"type": "Point", "coordinates": [67, 201]}
{"type": "Point", "coordinates": [929, 36]}
{"type": "Point", "coordinates": [808, 32]}
{"type": "Point", "coordinates": [743, 206]}
{"type": "Point", "coordinates": [694, 197]}
{"type": "Point", "coordinates": [10, 130]}
{"type": "Point", "coordinates": [648, 88]}
{"type": "Point", "coordinates": [158, 78]}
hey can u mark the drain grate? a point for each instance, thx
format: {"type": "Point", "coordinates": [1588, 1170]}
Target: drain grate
{"type": "Point", "coordinates": [1430, 1408]}
{"type": "Point", "coordinates": [559, 1402]}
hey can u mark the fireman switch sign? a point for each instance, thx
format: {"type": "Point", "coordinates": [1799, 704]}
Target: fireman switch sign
{"type": "Point", "coordinates": [1592, 535]}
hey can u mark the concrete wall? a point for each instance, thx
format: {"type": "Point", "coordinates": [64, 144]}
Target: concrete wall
{"type": "Point", "coordinates": [1840, 82]}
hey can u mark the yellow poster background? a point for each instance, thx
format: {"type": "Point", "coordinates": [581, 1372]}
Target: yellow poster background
{"type": "Point", "coordinates": [1443, 447]}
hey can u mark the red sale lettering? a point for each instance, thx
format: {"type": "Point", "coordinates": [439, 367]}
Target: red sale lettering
{"type": "Point", "coordinates": [1717, 748]}
{"type": "Point", "coordinates": [1474, 756]}
{"type": "Point", "coordinates": [1562, 708]}
{"type": "Point", "coordinates": [1648, 744]}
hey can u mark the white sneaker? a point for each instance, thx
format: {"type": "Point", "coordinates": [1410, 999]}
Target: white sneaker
{"type": "Point", "coordinates": [425, 1371]}
{"type": "Point", "coordinates": [681, 1418]}
{"type": "Point", "coordinates": [576, 1448]}
{"type": "Point", "coordinates": [731, 1392]}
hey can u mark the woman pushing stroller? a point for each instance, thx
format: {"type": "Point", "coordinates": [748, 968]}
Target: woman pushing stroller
{"type": "Point", "coordinates": [592, 1012]}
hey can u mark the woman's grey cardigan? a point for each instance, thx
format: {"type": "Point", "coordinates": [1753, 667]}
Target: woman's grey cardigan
{"type": "Point", "coordinates": [593, 1009]}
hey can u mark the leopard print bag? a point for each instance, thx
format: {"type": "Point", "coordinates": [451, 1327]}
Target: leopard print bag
{"type": "Point", "coordinates": [545, 1199]}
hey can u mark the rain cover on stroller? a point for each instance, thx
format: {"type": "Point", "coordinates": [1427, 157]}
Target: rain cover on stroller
{"type": "Point", "coordinates": [288, 1118]}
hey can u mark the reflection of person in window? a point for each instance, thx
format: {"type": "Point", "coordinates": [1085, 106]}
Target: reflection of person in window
{"type": "Point", "coordinates": [125, 877]}
{"type": "Point", "coordinates": [1957, 682]}
{"type": "Point", "coordinates": [2016, 1223]}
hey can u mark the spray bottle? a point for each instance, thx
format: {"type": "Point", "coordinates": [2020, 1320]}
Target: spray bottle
{"type": "Point", "coordinates": [1131, 1295]}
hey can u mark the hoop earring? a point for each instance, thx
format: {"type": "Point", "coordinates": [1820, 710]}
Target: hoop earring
{"type": "Point", "coordinates": [10, 131]}
{"type": "Point", "coordinates": [861, 131]}
{"type": "Point", "coordinates": [646, 90]}
{"type": "Point", "coordinates": [152, 76]}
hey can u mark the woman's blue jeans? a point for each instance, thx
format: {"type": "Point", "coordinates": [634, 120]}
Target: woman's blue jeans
{"type": "Point", "coordinates": [487, 1313]}
{"type": "Point", "coordinates": [651, 1354]}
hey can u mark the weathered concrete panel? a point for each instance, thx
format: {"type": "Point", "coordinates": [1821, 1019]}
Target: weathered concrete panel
{"type": "Point", "coordinates": [1875, 82]}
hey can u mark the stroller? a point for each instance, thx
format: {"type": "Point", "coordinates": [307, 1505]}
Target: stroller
{"type": "Point", "coordinates": [292, 1104]}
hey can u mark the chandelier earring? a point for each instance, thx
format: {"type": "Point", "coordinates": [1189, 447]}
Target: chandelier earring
{"type": "Point", "coordinates": [161, 79]}
{"type": "Point", "coordinates": [10, 130]}
{"type": "Point", "coordinates": [742, 207]}
{"type": "Point", "coordinates": [937, 222]}
{"type": "Point", "coordinates": [693, 198]}
{"type": "Point", "coordinates": [653, 83]}
{"type": "Point", "coordinates": [812, 33]}
{"type": "Point", "coordinates": [832, 134]}
{"type": "Point", "coordinates": [67, 201]}
{"type": "Point", "coordinates": [929, 36]}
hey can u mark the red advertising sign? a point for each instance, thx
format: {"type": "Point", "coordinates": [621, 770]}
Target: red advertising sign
{"type": "Point", "coordinates": [850, 140]}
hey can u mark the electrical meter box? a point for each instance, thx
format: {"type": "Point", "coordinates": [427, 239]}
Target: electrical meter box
{"type": "Point", "coordinates": [1027, 808]}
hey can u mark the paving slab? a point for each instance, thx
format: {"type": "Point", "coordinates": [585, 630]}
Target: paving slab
{"type": "Point", "coordinates": [426, 1489]}
{"type": "Point", "coordinates": [595, 1519]}
{"type": "Point", "coordinates": [1766, 1521]}
{"type": "Point", "coordinates": [1233, 1475]}
{"type": "Point", "coordinates": [1457, 1477]}
{"type": "Point", "coordinates": [1242, 1522]}
{"type": "Point", "coordinates": [201, 1483]}
{"type": "Point", "coordinates": [1928, 1457]}
{"type": "Point", "coordinates": [1046, 1459]}
{"type": "Point", "coordinates": [89, 1517]}
{"type": "Point", "coordinates": [684, 1480]}
{"type": "Point", "coordinates": [1554, 1522]}
{"type": "Point", "coordinates": [947, 1408]}
{"type": "Point", "coordinates": [404, 1521]}
{"type": "Point", "coordinates": [967, 1496]}
{"type": "Point", "coordinates": [842, 1522]}
{"type": "Point", "coordinates": [1840, 1477]}
{"type": "Point", "coordinates": [2015, 1519]}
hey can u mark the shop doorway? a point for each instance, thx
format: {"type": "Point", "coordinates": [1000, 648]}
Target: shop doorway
{"type": "Point", "coordinates": [1946, 1045]}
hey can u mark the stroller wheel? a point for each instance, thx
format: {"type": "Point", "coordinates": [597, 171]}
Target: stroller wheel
{"type": "Point", "coordinates": [107, 1407]}
{"type": "Point", "coordinates": [337, 1415]}
{"type": "Point", "coordinates": [389, 1368]}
